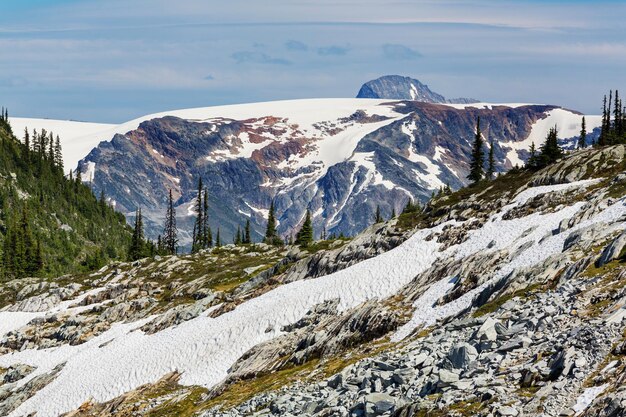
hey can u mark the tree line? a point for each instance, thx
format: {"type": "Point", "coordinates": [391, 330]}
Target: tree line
{"type": "Point", "coordinates": [50, 224]}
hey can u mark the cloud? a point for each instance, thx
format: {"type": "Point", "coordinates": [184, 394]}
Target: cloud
{"type": "Point", "coordinates": [399, 52]}
{"type": "Point", "coordinates": [209, 78]}
{"type": "Point", "coordinates": [245, 57]}
{"type": "Point", "coordinates": [296, 46]}
{"type": "Point", "coordinates": [332, 50]}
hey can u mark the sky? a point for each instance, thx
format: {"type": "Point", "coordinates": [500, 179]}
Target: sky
{"type": "Point", "coordinates": [115, 60]}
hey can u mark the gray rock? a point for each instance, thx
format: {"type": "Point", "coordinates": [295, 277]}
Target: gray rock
{"type": "Point", "coordinates": [613, 250]}
{"type": "Point", "coordinates": [462, 354]}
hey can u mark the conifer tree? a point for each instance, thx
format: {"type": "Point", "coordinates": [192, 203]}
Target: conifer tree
{"type": "Point", "coordinates": [476, 164]}
{"type": "Point", "coordinates": [206, 229]}
{"type": "Point", "coordinates": [491, 165]}
{"type": "Point", "coordinates": [170, 232]}
{"type": "Point", "coordinates": [550, 150]}
{"type": "Point", "coordinates": [304, 237]}
{"type": "Point", "coordinates": [582, 139]}
{"type": "Point", "coordinates": [271, 236]}
{"type": "Point", "coordinates": [218, 239]}
{"type": "Point", "coordinates": [137, 243]}
{"type": "Point", "coordinates": [378, 218]}
{"type": "Point", "coordinates": [237, 239]}
{"type": "Point", "coordinates": [199, 238]}
{"type": "Point", "coordinates": [532, 162]}
{"type": "Point", "coordinates": [393, 213]}
{"type": "Point", "coordinates": [58, 154]}
{"type": "Point", "coordinates": [246, 238]}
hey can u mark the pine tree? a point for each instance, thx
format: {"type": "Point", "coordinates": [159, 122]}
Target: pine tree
{"type": "Point", "coordinates": [532, 162]}
{"type": "Point", "coordinates": [218, 239]}
{"type": "Point", "coordinates": [582, 139]}
{"type": "Point", "coordinates": [27, 143]}
{"type": "Point", "coordinates": [491, 165]}
{"type": "Point", "coordinates": [605, 125]}
{"type": "Point", "coordinates": [137, 243]}
{"type": "Point", "coordinates": [199, 238]}
{"type": "Point", "coordinates": [58, 154]}
{"type": "Point", "coordinates": [102, 203]}
{"type": "Point", "coordinates": [206, 229]}
{"type": "Point", "coordinates": [476, 164]}
{"type": "Point", "coordinates": [378, 218]}
{"type": "Point", "coordinates": [550, 150]}
{"type": "Point", "coordinates": [304, 237]}
{"type": "Point", "coordinates": [271, 236]}
{"type": "Point", "coordinates": [170, 232]}
{"type": "Point", "coordinates": [393, 212]}
{"type": "Point", "coordinates": [237, 239]}
{"type": "Point", "coordinates": [246, 238]}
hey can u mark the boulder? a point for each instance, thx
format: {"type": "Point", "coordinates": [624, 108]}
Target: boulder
{"type": "Point", "coordinates": [613, 251]}
{"type": "Point", "coordinates": [462, 355]}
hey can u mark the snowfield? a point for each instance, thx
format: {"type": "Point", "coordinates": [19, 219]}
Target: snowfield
{"type": "Point", "coordinates": [74, 136]}
{"type": "Point", "coordinates": [204, 348]}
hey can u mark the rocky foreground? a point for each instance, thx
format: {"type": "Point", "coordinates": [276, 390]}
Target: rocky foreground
{"type": "Point", "coordinates": [507, 299]}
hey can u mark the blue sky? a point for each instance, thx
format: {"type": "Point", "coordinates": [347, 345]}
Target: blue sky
{"type": "Point", "coordinates": [114, 60]}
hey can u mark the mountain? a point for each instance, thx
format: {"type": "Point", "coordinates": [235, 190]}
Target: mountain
{"type": "Point", "coordinates": [49, 224]}
{"type": "Point", "coordinates": [502, 299]}
{"type": "Point", "coordinates": [397, 87]}
{"type": "Point", "coordinates": [338, 158]}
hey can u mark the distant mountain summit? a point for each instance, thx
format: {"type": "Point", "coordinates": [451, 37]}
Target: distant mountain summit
{"type": "Point", "coordinates": [397, 87]}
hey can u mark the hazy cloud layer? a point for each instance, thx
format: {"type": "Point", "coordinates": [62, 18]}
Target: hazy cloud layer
{"type": "Point", "coordinates": [115, 60]}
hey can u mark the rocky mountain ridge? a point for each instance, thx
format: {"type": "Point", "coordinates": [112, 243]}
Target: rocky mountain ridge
{"type": "Point", "coordinates": [504, 299]}
{"type": "Point", "coordinates": [397, 87]}
{"type": "Point", "coordinates": [339, 159]}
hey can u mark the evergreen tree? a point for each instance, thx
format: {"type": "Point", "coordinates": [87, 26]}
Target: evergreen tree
{"type": "Point", "coordinates": [491, 165]}
{"type": "Point", "coordinates": [271, 236]}
{"type": "Point", "coordinates": [199, 238]}
{"type": "Point", "coordinates": [532, 162]}
{"type": "Point", "coordinates": [582, 139]}
{"type": "Point", "coordinates": [58, 154]}
{"type": "Point", "coordinates": [476, 164]}
{"type": "Point", "coordinates": [605, 125]}
{"type": "Point", "coordinates": [170, 232]}
{"type": "Point", "coordinates": [393, 213]}
{"type": "Point", "coordinates": [137, 243]}
{"type": "Point", "coordinates": [550, 150]}
{"type": "Point", "coordinates": [378, 218]}
{"type": "Point", "coordinates": [246, 238]}
{"type": "Point", "coordinates": [304, 237]}
{"type": "Point", "coordinates": [237, 239]}
{"type": "Point", "coordinates": [218, 239]}
{"type": "Point", "coordinates": [206, 229]}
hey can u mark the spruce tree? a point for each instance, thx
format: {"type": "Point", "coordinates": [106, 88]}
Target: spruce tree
{"type": "Point", "coordinates": [550, 150]}
{"type": "Point", "coordinates": [199, 238]}
{"type": "Point", "coordinates": [246, 238]}
{"type": "Point", "coordinates": [271, 236]}
{"type": "Point", "coordinates": [218, 239]}
{"type": "Point", "coordinates": [304, 237]}
{"type": "Point", "coordinates": [137, 243]}
{"type": "Point", "coordinates": [532, 162]}
{"type": "Point", "coordinates": [476, 164]}
{"type": "Point", "coordinates": [378, 218]}
{"type": "Point", "coordinates": [170, 232]}
{"type": "Point", "coordinates": [582, 139]}
{"type": "Point", "coordinates": [491, 165]}
{"type": "Point", "coordinates": [237, 239]}
{"type": "Point", "coordinates": [206, 229]}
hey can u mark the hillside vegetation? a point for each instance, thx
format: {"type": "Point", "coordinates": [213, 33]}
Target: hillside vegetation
{"type": "Point", "coordinates": [50, 224]}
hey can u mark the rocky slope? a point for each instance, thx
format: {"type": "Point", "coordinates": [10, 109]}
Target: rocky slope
{"type": "Point", "coordinates": [504, 299]}
{"type": "Point", "coordinates": [339, 159]}
{"type": "Point", "coordinates": [397, 87]}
